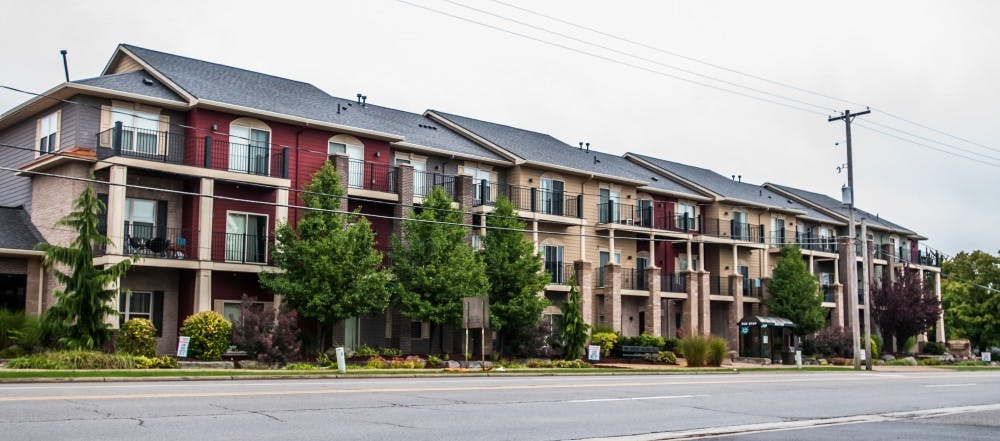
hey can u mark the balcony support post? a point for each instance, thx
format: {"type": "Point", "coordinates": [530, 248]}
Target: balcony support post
{"type": "Point", "coordinates": [704, 301]}
{"type": "Point", "coordinates": [689, 312]}
{"type": "Point", "coordinates": [281, 207]}
{"type": "Point", "coordinates": [404, 184]}
{"type": "Point", "coordinates": [203, 291]}
{"type": "Point", "coordinates": [116, 209]}
{"type": "Point", "coordinates": [653, 304]}
{"type": "Point", "coordinates": [205, 210]}
{"type": "Point", "coordinates": [939, 326]}
{"type": "Point", "coordinates": [735, 310]}
{"type": "Point", "coordinates": [613, 294]}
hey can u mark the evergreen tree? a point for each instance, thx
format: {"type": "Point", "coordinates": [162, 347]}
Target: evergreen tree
{"type": "Point", "coordinates": [434, 266]}
{"type": "Point", "coordinates": [331, 269]}
{"type": "Point", "coordinates": [903, 307]}
{"type": "Point", "coordinates": [574, 332]}
{"type": "Point", "coordinates": [794, 293]}
{"type": "Point", "coordinates": [515, 275]}
{"type": "Point", "coordinates": [82, 307]}
{"type": "Point", "coordinates": [971, 296]}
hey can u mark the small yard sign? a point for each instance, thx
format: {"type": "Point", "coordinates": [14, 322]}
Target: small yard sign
{"type": "Point", "coordinates": [182, 345]}
{"type": "Point", "coordinates": [987, 356]}
{"type": "Point", "coordinates": [594, 353]}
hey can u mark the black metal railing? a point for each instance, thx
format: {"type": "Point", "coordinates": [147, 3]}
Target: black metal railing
{"type": "Point", "coordinates": [559, 273]}
{"type": "Point", "coordinates": [484, 192]}
{"type": "Point", "coordinates": [781, 237]}
{"type": "Point", "coordinates": [673, 282]}
{"type": "Point", "coordinates": [929, 257]}
{"type": "Point", "coordinates": [146, 144]}
{"type": "Point", "coordinates": [602, 273]}
{"type": "Point", "coordinates": [829, 295]}
{"type": "Point", "coordinates": [260, 159]}
{"type": "Point", "coordinates": [753, 288]}
{"type": "Point", "coordinates": [625, 214]}
{"type": "Point", "coordinates": [807, 241]}
{"type": "Point", "coordinates": [684, 223]}
{"type": "Point", "coordinates": [735, 230]}
{"type": "Point", "coordinates": [718, 285]}
{"type": "Point", "coordinates": [634, 278]}
{"type": "Point", "coordinates": [241, 248]}
{"type": "Point", "coordinates": [539, 200]}
{"type": "Point", "coordinates": [167, 243]}
{"type": "Point", "coordinates": [424, 182]}
{"type": "Point", "coordinates": [371, 176]}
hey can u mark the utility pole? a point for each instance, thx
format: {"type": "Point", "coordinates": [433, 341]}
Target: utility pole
{"type": "Point", "coordinates": [852, 266]}
{"type": "Point", "coordinates": [866, 259]}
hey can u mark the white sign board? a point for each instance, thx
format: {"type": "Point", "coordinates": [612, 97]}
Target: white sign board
{"type": "Point", "coordinates": [987, 356]}
{"type": "Point", "coordinates": [763, 339]}
{"type": "Point", "coordinates": [182, 345]}
{"type": "Point", "coordinates": [863, 356]}
{"type": "Point", "coordinates": [594, 353]}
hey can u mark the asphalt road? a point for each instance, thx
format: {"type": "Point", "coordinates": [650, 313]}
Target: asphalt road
{"type": "Point", "coordinates": [921, 405]}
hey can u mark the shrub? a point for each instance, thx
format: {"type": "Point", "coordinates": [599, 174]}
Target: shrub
{"type": "Point", "coordinates": [570, 364]}
{"type": "Point", "coordinates": [209, 334]}
{"type": "Point", "coordinates": [670, 344]}
{"type": "Point", "coordinates": [365, 351]}
{"type": "Point", "coordinates": [137, 337]}
{"type": "Point", "coordinates": [376, 362]}
{"type": "Point", "coordinates": [934, 348]}
{"type": "Point", "coordinates": [971, 363]}
{"type": "Point", "coordinates": [910, 345]}
{"type": "Point", "coordinates": [164, 362]}
{"type": "Point", "coordinates": [606, 340]}
{"type": "Point", "coordinates": [603, 329]}
{"type": "Point", "coordinates": [300, 367]}
{"type": "Point", "coordinates": [20, 330]}
{"type": "Point", "coordinates": [717, 351]}
{"type": "Point", "coordinates": [435, 361]}
{"type": "Point", "coordinates": [391, 352]}
{"type": "Point", "coordinates": [695, 350]}
{"type": "Point", "coordinates": [832, 342]}
{"type": "Point", "coordinates": [648, 340]}
{"type": "Point", "coordinates": [506, 364]}
{"type": "Point", "coordinates": [666, 357]}
{"type": "Point", "coordinates": [73, 359]}
{"type": "Point", "coordinates": [876, 348]}
{"type": "Point", "coordinates": [265, 335]}
{"type": "Point", "coordinates": [930, 362]}
{"type": "Point", "coordinates": [901, 362]}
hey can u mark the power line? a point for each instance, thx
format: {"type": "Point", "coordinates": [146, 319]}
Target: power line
{"type": "Point", "coordinates": [862, 125]}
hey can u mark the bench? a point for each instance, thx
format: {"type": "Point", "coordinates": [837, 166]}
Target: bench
{"type": "Point", "coordinates": [639, 351]}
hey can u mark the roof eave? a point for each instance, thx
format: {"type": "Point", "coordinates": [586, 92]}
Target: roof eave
{"type": "Point", "coordinates": [680, 179]}
{"type": "Point", "coordinates": [453, 154]}
{"type": "Point", "coordinates": [474, 137]}
{"type": "Point", "coordinates": [677, 194]}
{"type": "Point", "coordinates": [309, 122]}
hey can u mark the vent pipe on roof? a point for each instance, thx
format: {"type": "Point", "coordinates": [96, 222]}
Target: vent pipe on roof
{"type": "Point", "coordinates": [581, 146]}
{"type": "Point", "coordinates": [739, 178]}
{"type": "Point", "coordinates": [588, 148]}
{"type": "Point", "coordinates": [363, 99]}
{"type": "Point", "coordinates": [359, 98]}
{"type": "Point", "coordinates": [65, 64]}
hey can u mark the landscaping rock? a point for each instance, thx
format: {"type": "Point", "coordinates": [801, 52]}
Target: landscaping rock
{"type": "Point", "coordinates": [914, 360]}
{"type": "Point", "coordinates": [888, 357]}
{"type": "Point", "coordinates": [450, 364]}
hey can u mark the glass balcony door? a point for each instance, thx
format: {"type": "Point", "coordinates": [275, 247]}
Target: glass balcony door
{"type": "Point", "coordinates": [139, 130]}
{"type": "Point", "coordinates": [249, 150]}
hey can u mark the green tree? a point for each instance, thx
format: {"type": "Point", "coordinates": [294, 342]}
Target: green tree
{"type": "Point", "coordinates": [515, 275]}
{"type": "Point", "coordinates": [331, 269]}
{"type": "Point", "coordinates": [434, 265]}
{"type": "Point", "coordinates": [84, 304]}
{"type": "Point", "coordinates": [574, 332]}
{"type": "Point", "coordinates": [970, 294]}
{"type": "Point", "coordinates": [794, 293]}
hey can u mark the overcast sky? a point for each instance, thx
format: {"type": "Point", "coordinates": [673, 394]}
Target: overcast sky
{"type": "Point", "coordinates": [935, 63]}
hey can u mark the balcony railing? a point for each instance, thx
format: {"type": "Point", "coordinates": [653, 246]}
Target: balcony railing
{"type": "Point", "coordinates": [484, 192]}
{"type": "Point", "coordinates": [829, 295]}
{"type": "Point", "coordinates": [929, 257]}
{"type": "Point", "coordinates": [782, 237]}
{"type": "Point", "coordinates": [601, 273]}
{"type": "Point", "coordinates": [753, 288]}
{"type": "Point", "coordinates": [718, 285]}
{"type": "Point", "coordinates": [673, 282]}
{"type": "Point", "coordinates": [133, 142]}
{"type": "Point", "coordinates": [241, 248]}
{"type": "Point", "coordinates": [371, 176]}
{"type": "Point", "coordinates": [545, 201]}
{"type": "Point", "coordinates": [625, 214]}
{"type": "Point", "coordinates": [559, 273]}
{"type": "Point", "coordinates": [424, 182]}
{"type": "Point", "coordinates": [168, 243]}
{"type": "Point", "coordinates": [735, 230]}
{"type": "Point", "coordinates": [261, 159]}
{"type": "Point", "coordinates": [825, 244]}
{"type": "Point", "coordinates": [634, 278]}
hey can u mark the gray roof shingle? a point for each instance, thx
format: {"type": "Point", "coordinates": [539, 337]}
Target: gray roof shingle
{"type": "Point", "coordinates": [133, 82]}
{"type": "Point", "coordinates": [837, 206]}
{"type": "Point", "coordinates": [231, 85]}
{"type": "Point", "coordinates": [16, 230]}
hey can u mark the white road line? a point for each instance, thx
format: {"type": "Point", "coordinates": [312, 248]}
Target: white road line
{"type": "Point", "coordinates": [663, 397]}
{"type": "Point", "coordinates": [950, 385]}
{"type": "Point", "coordinates": [799, 424]}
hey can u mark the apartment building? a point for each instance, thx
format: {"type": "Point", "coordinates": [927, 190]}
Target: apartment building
{"type": "Point", "coordinates": [198, 162]}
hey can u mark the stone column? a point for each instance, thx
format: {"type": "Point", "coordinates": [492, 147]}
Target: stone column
{"type": "Point", "coordinates": [613, 295]}
{"type": "Point", "coordinates": [705, 301]}
{"type": "Point", "coordinates": [668, 318]}
{"type": "Point", "coordinates": [838, 300]}
{"type": "Point", "coordinates": [585, 283]}
{"type": "Point", "coordinates": [404, 187]}
{"type": "Point", "coordinates": [765, 294]}
{"type": "Point", "coordinates": [116, 209]}
{"type": "Point", "coordinates": [206, 210]}
{"type": "Point", "coordinates": [653, 305]}
{"type": "Point", "coordinates": [735, 309]}
{"type": "Point", "coordinates": [281, 207]}
{"type": "Point", "coordinates": [464, 194]}
{"type": "Point", "coordinates": [342, 164]}
{"type": "Point", "coordinates": [689, 312]}
{"type": "Point", "coordinates": [203, 291]}
{"type": "Point", "coordinates": [939, 326]}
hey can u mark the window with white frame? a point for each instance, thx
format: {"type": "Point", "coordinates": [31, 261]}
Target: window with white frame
{"type": "Point", "coordinates": [246, 238]}
{"type": "Point", "coordinates": [552, 257]}
{"type": "Point", "coordinates": [484, 191]}
{"type": "Point", "coordinates": [249, 146]}
{"type": "Point", "coordinates": [420, 187]}
{"type": "Point", "coordinates": [355, 161]}
{"type": "Point", "coordinates": [740, 228]}
{"type": "Point", "coordinates": [48, 133]}
{"type": "Point", "coordinates": [134, 304]}
{"type": "Point", "coordinates": [140, 218]}
{"type": "Point", "coordinates": [139, 129]}
{"type": "Point", "coordinates": [551, 196]}
{"type": "Point", "coordinates": [686, 217]}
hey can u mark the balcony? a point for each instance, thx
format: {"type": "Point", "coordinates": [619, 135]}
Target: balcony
{"type": "Point", "coordinates": [718, 285]}
{"type": "Point", "coordinates": [634, 279]}
{"type": "Point", "coordinates": [780, 238]}
{"type": "Point", "coordinates": [216, 154]}
{"type": "Point", "coordinates": [829, 295]}
{"type": "Point", "coordinates": [929, 257]}
{"type": "Point", "coordinates": [530, 199]}
{"type": "Point", "coordinates": [625, 214]}
{"type": "Point", "coordinates": [424, 182]}
{"type": "Point", "coordinates": [824, 244]}
{"type": "Point", "coordinates": [753, 288]}
{"type": "Point", "coordinates": [241, 248]}
{"type": "Point", "coordinates": [673, 282]}
{"type": "Point", "coordinates": [559, 273]}
{"type": "Point", "coordinates": [735, 230]}
{"type": "Point", "coordinates": [144, 241]}
{"type": "Point", "coordinates": [372, 176]}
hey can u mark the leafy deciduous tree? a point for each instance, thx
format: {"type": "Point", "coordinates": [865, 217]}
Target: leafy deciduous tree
{"type": "Point", "coordinates": [85, 303]}
{"type": "Point", "coordinates": [331, 268]}
{"type": "Point", "coordinates": [266, 335]}
{"type": "Point", "coordinates": [434, 265]}
{"type": "Point", "coordinates": [904, 307]}
{"type": "Point", "coordinates": [971, 297]}
{"type": "Point", "coordinates": [515, 275]}
{"type": "Point", "coordinates": [794, 293]}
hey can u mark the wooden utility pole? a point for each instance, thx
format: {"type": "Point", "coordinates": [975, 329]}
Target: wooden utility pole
{"type": "Point", "coordinates": [852, 266]}
{"type": "Point", "coordinates": [866, 258]}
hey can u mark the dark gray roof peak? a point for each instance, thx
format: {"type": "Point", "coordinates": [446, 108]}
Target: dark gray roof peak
{"type": "Point", "coordinates": [138, 82]}
{"type": "Point", "coordinates": [831, 204]}
{"type": "Point", "coordinates": [16, 230]}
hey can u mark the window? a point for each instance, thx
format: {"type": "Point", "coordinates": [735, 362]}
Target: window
{"type": "Point", "coordinates": [483, 185]}
{"type": "Point", "coordinates": [681, 264]}
{"type": "Point", "coordinates": [740, 229]}
{"type": "Point", "coordinates": [420, 330]}
{"type": "Point", "coordinates": [641, 262]}
{"type": "Point", "coordinates": [610, 205]}
{"type": "Point", "coordinates": [355, 162]}
{"type": "Point", "coordinates": [139, 129]}
{"type": "Point", "coordinates": [48, 133]}
{"type": "Point", "coordinates": [249, 146]}
{"type": "Point", "coordinates": [553, 262]}
{"type": "Point", "coordinates": [140, 218]}
{"type": "Point", "coordinates": [246, 238]}
{"type": "Point", "coordinates": [686, 217]}
{"type": "Point", "coordinates": [135, 304]}
{"type": "Point", "coordinates": [777, 231]}
{"type": "Point", "coordinates": [551, 196]}
{"type": "Point", "coordinates": [419, 175]}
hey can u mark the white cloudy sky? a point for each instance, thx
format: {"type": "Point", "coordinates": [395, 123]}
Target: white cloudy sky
{"type": "Point", "coordinates": [931, 62]}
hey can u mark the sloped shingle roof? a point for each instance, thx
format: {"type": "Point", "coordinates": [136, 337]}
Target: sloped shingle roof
{"type": "Point", "coordinates": [837, 206]}
{"type": "Point", "coordinates": [138, 82]}
{"type": "Point", "coordinates": [16, 230]}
